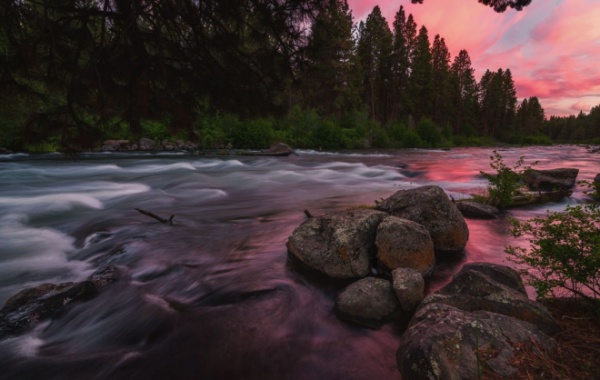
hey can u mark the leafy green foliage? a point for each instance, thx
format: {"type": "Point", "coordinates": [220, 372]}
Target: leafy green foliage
{"type": "Point", "coordinates": [564, 251]}
{"type": "Point", "coordinates": [504, 185]}
{"type": "Point", "coordinates": [429, 133]}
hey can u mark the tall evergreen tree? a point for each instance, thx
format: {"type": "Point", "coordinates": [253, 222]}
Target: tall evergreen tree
{"type": "Point", "coordinates": [374, 53]}
{"type": "Point", "coordinates": [421, 77]}
{"type": "Point", "coordinates": [464, 94]}
{"type": "Point", "coordinates": [441, 80]}
{"type": "Point", "coordinates": [530, 117]}
{"type": "Point", "coordinates": [330, 80]}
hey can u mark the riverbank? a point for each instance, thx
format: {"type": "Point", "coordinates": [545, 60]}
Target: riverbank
{"type": "Point", "coordinates": [577, 354]}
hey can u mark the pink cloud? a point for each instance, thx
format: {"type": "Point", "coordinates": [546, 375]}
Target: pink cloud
{"type": "Point", "coordinates": [552, 47]}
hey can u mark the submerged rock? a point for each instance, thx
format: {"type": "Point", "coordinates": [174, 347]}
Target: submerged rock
{"type": "Point", "coordinates": [430, 207]}
{"type": "Point", "coordinates": [476, 210]}
{"type": "Point", "coordinates": [552, 179]}
{"type": "Point", "coordinates": [477, 320]}
{"type": "Point", "coordinates": [44, 301]}
{"type": "Point", "coordinates": [340, 245]}
{"type": "Point", "coordinates": [402, 243]}
{"type": "Point", "coordinates": [370, 301]}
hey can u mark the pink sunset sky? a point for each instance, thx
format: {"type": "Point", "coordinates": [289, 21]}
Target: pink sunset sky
{"type": "Point", "coordinates": [552, 47]}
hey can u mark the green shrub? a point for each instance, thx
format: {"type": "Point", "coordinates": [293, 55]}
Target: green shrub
{"type": "Point", "coordinates": [429, 132]}
{"type": "Point", "coordinates": [253, 134]}
{"type": "Point", "coordinates": [564, 252]}
{"type": "Point", "coordinates": [505, 184]}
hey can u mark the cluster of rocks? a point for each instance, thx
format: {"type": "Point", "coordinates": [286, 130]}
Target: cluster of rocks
{"type": "Point", "coordinates": [146, 144]}
{"type": "Point", "coordinates": [33, 305]}
{"type": "Point", "coordinates": [400, 235]}
{"type": "Point", "coordinates": [481, 319]}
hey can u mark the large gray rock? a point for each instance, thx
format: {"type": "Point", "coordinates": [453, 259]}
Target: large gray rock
{"type": "Point", "coordinates": [552, 179]}
{"type": "Point", "coordinates": [370, 301]}
{"type": "Point", "coordinates": [447, 343]}
{"type": "Point", "coordinates": [493, 288]}
{"type": "Point", "coordinates": [340, 244]}
{"type": "Point", "coordinates": [476, 210]}
{"type": "Point", "coordinates": [279, 149]}
{"type": "Point", "coordinates": [474, 322]}
{"type": "Point", "coordinates": [402, 243]}
{"type": "Point", "coordinates": [430, 207]}
{"type": "Point", "coordinates": [409, 287]}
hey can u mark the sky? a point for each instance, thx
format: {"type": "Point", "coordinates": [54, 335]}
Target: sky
{"type": "Point", "coordinates": [552, 47]}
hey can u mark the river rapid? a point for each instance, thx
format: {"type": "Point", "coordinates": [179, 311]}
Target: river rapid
{"type": "Point", "coordinates": [215, 296]}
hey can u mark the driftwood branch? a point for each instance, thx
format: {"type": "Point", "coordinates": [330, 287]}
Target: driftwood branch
{"type": "Point", "coordinates": [308, 214]}
{"type": "Point", "coordinates": [154, 216]}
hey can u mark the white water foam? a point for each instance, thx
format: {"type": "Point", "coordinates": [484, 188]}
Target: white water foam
{"type": "Point", "coordinates": [348, 154]}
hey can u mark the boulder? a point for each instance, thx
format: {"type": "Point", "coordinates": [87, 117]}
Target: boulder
{"type": "Point", "coordinates": [107, 275]}
{"type": "Point", "coordinates": [168, 145]}
{"type": "Point", "coordinates": [146, 144]}
{"type": "Point", "coordinates": [115, 146]}
{"type": "Point", "coordinates": [478, 320]}
{"type": "Point", "coordinates": [430, 207]}
{"type": "Point", "coordinates": [279, 149]}
{"type": "Point", "coordinates": [597, 180]}
{"type": "Point", "coordinates": [447, 343]}
{"type": "Point", "coordinates": [476, 210]}
{"type": "Point", "coordinates": [402, 243]}
{"type": "Point", "coordinates": [339, 245]}
{"type": "Point", "coordinates": [370, 301]}
{"type": "Point", "coordinates": [552, 179]}
{"type": "Point", "coordinates": [409, 287]}
{"type": "Point", "coordinates": [493, 288]}
{"type": "Point", "coordinates": [4, 151]}
{"type": "Point", "coordinates": [44, 301]}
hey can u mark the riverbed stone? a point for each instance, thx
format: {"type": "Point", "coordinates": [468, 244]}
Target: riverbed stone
{"type": "Point", "coordinates": [409, 287]}
{"type": "Point", "coordinates": [43, 301]}
{"type": "Point", "coordinates": [402, 243]}
{"type": "Point", "coordinates": [478, 320]}
{"type": "Point", "coordinates": [430, 207]}
{"type": "Point", "coordinates": [340, 244]}
{"type": "Point", "coordinates": [279, 148]}
{"type": "Point", "coordinates": [146, 144]}
{"type": "Point", "coordinates": [476, 210]}
{"type": "Point", "coordinates": [370, 301]}
{"type": "Point", "coordinates": [551, 179]}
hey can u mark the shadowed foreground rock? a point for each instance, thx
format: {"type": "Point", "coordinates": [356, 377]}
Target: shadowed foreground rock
{"type": "Point", "coordinates": [339, 245]}
{"type": "Point", "coordinates": [409, 287]}
{"type": "Point", "coordinates": [430, 207]}
{"type": "Point", "coordinates": [483, 312]}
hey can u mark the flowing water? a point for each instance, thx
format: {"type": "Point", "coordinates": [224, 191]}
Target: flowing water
{"type": "Point", "coordinates": [214, 296]}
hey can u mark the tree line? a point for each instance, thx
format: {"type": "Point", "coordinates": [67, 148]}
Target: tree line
{"type": "Point", "coordinates": [244, 72]}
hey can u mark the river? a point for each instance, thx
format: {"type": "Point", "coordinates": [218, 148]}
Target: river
{"type": "Point", "coordinates": [214, 296]}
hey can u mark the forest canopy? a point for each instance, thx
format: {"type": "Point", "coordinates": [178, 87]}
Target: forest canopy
{"type": "Point", "coordinates": [248, 73]}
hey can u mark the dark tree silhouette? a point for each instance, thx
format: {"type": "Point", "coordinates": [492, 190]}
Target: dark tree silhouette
{"type": "Point", "coordinates": [498, 5]}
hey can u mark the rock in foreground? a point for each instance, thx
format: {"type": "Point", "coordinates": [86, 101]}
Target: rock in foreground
{"type": "Point", "coordinates": [482, 313]}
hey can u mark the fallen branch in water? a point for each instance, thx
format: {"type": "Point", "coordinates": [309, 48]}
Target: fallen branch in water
{"type": "Point", "coordinates": [154, 216]}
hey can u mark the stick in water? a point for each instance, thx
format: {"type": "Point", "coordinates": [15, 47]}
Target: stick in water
{"type": "Point", "coordinates": [162, 220]}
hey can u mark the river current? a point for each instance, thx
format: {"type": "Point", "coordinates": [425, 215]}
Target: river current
{"type": "Point", "coordinates": [215, 296]}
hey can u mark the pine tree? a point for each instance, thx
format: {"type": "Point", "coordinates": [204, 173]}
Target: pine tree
{"type": "Point", "coordinates": [330, 83]}
{"type": "Point", "coordinates": [421, 77]}
{"type": "Point", "coordinates": [441, 80]}
{"type": "Point", "coordinates": [374, 53]}
{"type": "Point", "coordinates": [463, 94]}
